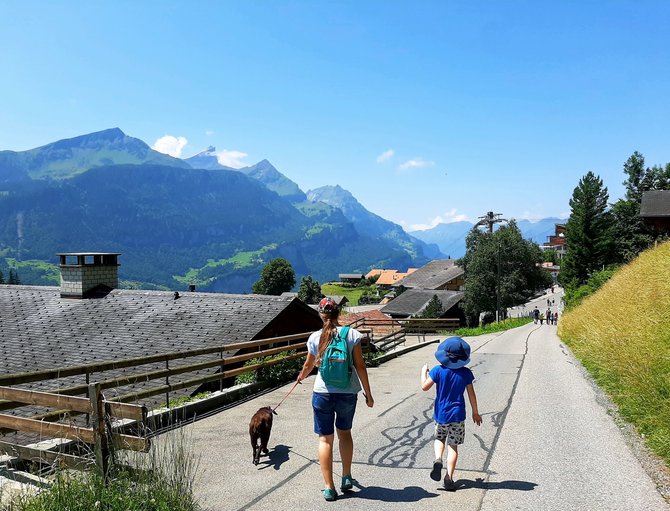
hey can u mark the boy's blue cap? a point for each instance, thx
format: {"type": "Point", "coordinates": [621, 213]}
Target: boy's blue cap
{"type": "Point", "coordinates": [453, 353]}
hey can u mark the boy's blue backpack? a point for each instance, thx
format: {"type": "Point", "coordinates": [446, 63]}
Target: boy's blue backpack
{"type": "Point", "coordinates": [336, 363]}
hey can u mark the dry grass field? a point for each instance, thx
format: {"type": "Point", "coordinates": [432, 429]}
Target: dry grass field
{"type": "Point", "coordinates": [622, 336]}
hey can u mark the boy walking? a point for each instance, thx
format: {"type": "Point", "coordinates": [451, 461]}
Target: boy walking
{"type": "Point", "coordinates": [452, 379]}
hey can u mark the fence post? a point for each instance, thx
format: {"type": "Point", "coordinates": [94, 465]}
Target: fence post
{"type": "Point", "coordinates": [99, 429]}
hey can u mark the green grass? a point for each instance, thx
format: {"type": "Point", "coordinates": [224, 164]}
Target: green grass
{"type": "Point", "coordinates": [621, 334]}
{"type": "Point", "coordinates": [353, 294]}
{"type": "Point", "coordinates": [243, 259]}
{"type": "Point", "coordinates": [506, 324]}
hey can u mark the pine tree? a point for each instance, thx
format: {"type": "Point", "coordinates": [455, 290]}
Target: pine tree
{"type": "Point", "coordinates": [433, 308]}
{"type": "Point", "coordinates": [632, 235]}
{"type": "Point", "coordinates": [588, 232]}
{"type": "Point", "coordinates": [13, 277]}
{"type": "Point", "coordinates": [310, 290]}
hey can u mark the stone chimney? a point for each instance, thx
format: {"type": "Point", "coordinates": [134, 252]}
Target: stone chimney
{"type": "Point", "coordinates": [88, 274]}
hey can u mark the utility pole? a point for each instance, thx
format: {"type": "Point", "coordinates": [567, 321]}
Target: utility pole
{"type": "Point", "coordinates": [498, 287]}
{"type": "Point", "coordinates": [489, 219]}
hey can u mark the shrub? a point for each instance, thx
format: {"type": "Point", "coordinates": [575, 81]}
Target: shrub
{"type": "Point", "coordinates": [280, 372]}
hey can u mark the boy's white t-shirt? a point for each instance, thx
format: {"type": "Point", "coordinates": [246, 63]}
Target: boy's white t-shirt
{"type": "Point", "coordinates": [320, 387]}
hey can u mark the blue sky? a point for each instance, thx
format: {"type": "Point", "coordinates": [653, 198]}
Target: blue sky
{"type": "Point", "coordinates": [425, 111]}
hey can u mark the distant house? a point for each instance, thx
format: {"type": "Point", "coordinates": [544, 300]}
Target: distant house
{"type": "Point", "coordinates": [351, 278]}
{"type": "Point", "coordinates": [340, 300]}
{"type": "Point", "coordinates": [373, 273]}
{"type": "Point", "coordinates": [412, 303]}
{"type": "Point", "coordinates": [556, 241]}
{"type": "Point", "coordinates": [388, 278]}
{"type": "Point", "coordinates": [655, 209]}
{"type": "Point", "coordinates": [440, 274]}
{"type": "Point", "coordinates": [380, 325]}
{"type": "Point", "coordinates": [87, 320]}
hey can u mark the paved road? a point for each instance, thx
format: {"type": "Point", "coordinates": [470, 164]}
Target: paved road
{"type": "Point", "coordinates": [545, 443]}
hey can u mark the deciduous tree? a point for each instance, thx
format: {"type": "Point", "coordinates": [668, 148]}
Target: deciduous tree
{"type": "Point", "coordinates": [520, 271]}
{"type": "Point", "coordinates": [276, 278]}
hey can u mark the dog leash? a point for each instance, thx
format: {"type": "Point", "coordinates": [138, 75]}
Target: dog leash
{"type": "Point", "coordinates": [287, 395]}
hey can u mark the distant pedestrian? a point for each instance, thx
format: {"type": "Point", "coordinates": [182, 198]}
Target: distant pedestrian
{"type": "Point", "coordinates": [541, 319]}
{"type": "Point", "coordinates": [452, 379]}
{"type": "Point", "coordinates": [550, 317]}
{"type": "Point", "coordinates": [556, 318]}
{"type": "Point", "coordinates": [334, 405]}
{"type": "Point", "coordinates": [536, 315]}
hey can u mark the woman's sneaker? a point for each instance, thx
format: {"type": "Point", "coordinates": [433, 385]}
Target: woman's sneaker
{"type": "Point", "coordinates": [347, 483]}
{"type": "Point", "coordinates": [329, 494]}
{"type": "Point", "coordinates": [436, 473]}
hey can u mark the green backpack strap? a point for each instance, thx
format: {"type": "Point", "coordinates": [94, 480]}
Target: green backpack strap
{"type": "Point", "coordinates": [342, 334]}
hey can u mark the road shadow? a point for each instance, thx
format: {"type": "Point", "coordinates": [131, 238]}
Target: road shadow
{"type": "Point", "coordinates": [403, 442]}
{"type": "Point", "coordinates": [480, 484]}
{"type": "Point", "coordinates": [276, 457]}
{"type": "Point", "coordinates": [407, 494]}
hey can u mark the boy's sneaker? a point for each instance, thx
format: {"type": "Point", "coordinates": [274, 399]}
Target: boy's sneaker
{"type": "Point", "coordinates": [436, 473]}
{"type": "Point", "coordinates": [449, 484]}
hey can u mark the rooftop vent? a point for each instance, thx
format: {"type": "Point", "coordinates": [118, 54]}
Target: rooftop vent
{"type": "Point", "coordinates": [88, 274]}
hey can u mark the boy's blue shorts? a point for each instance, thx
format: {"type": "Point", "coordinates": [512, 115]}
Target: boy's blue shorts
{"type": "Point", "coordinates": [329, 409]}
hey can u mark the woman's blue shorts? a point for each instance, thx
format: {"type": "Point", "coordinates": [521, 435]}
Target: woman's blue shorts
{"type": "Point", "coordinates": [333, 409]}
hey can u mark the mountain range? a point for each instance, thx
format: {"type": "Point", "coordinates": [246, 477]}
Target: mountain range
{"type": "Point", "coordinates": [174, 224]}
{"type": "Point", "coordinates": [194, 221]}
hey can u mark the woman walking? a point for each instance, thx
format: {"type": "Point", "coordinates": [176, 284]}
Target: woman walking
{"type": "Point", "coordinates": [334, 399]}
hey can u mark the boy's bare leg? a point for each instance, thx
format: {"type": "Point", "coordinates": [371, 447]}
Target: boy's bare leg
{"type": "Point", "coordinates": [452, 458]}
{"type": "Point", "coordinates": [439, 449]}
{"type": "Point", "coordinates": [326, 459]}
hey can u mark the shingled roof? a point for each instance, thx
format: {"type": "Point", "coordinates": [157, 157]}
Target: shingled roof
{"type": "Point", "coordinates": [655, 209]}
{"type": "Point", "coordinates": [40, 330]}
{"type": "Point", "coordinates": [413, 301]}
{"type": "Point", "coordinates": [433, 275]}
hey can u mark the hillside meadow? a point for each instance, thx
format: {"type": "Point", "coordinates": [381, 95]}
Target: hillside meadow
{"type": "Point", "coordinates": [622, 336]}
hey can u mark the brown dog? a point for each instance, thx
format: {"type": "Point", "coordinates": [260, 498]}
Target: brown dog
{"type": "Point", "coordinates": [259, 429]}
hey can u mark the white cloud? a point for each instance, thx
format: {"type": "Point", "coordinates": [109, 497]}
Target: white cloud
{"type": "Point", "coordinates": [232, 158]}
{"type": "Point", "coordinates": [385, 156]}
{"type": "Point", "coordinates": [209, 133]}
{"type": "Point", "coordinates": [170, 145]}
{"type": "Point", "coordinates": [447, 217]}
{"type": "Point", "coordinates": [416, 163]}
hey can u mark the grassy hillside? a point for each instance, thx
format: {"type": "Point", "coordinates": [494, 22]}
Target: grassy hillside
{"type": "Point", "coordinates": [622, 336]}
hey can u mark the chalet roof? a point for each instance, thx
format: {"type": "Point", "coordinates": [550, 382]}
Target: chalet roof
{"type": "Point", "coordinates": [351, 276]}
{"type": "Point", "coordinates": [339, 300]}
{"type": "Point", "coordinates": [373, 273]}
{"type": "Point", "coordinates": [655, 204]}
{"type": "Point", "coordinates": [432, 275]}
{"type": "Point", "coordinates": [390, 277]}
{"type": "Point", "coordinates": [413, 301]}
{"type": "Point", "coordinates": [39, 329]}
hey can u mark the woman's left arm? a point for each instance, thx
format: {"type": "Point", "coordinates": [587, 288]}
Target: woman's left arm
{"type": "Point", "coordinates": [306, 367]}
{"type": "Point", "coordinates": [362, 371]}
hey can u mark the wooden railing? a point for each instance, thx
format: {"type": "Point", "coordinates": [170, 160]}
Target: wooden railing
{"type": "Point", "coordinates": [395, 330]}
{"type": "Point", "coordinates": [59, 390]}
{"type": "Point", "coordinates": [99, 435]}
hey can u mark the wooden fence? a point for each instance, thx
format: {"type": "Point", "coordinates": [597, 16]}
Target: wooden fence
{"type": "Point", "coordinates": [68, 405]}
{"type": "Point", "coordinates": [223, 362]}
